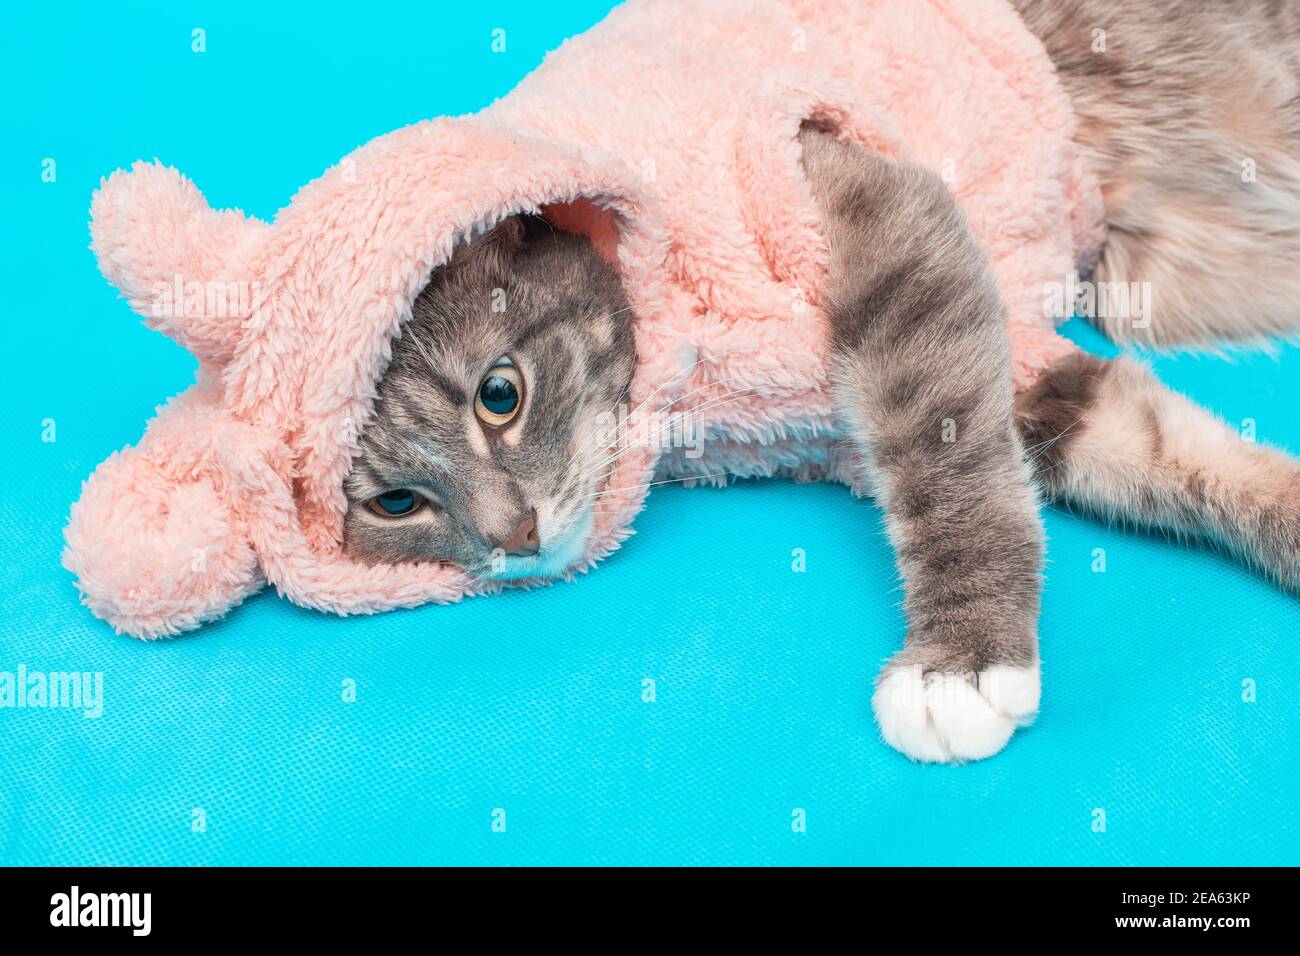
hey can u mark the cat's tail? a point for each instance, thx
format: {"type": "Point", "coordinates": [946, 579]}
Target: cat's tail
{"type": "Point", "coordinates": [1107, 437]}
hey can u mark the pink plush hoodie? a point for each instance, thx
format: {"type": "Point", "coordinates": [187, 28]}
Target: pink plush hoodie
{"type": "Point", "coordinates": [668, 134]}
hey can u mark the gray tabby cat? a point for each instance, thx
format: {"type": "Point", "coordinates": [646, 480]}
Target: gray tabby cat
{"type": "Point", "coordinates": [471, 454]}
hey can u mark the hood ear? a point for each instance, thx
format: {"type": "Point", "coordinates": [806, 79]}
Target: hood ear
{"type": "Point", "coordinates": [159, 540]}
{"type": "Point", "coordinates": [185, 267]}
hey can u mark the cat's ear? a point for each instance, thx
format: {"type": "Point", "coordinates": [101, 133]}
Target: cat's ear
{"type": "Point", "coordinates": [183, 265]}
{"type": "Point", "coordinates": [507, 235]}
{"type": "Point", "coordinates": [514, 232]}
{"type": "Point", "coordinates": [492, 251]}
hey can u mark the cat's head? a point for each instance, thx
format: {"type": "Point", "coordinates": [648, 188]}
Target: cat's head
{"type": "Point", "coordinates": [491, 430]}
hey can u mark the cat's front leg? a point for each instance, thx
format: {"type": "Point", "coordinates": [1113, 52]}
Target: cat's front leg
{"type": "Point", "coordinates": [922, 382]}
{"type": "Point", "coordinates": [963, 519]}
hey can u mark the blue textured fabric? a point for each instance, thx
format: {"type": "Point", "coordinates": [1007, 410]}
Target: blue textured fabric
{"type": "Point", "coordinates": [527, 709]}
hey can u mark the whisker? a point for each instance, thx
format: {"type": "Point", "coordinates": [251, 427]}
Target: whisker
{"type": "Point", "coordinates": [614, 313]}
{"type": "Point", "coordinates": [419, 346]}
{"type": "Point", "coordinates": [664, 384]}
{"type": "Point", "coordinates": [1034, 452]}
{"type": "Point", "coordinates": [670, 481]}
{"type": "Point", "coordinates": [678, 374]}
{"type": "Point", "coordinates": [678, 417]}
{"type": "Point", "coordinates": [672, 420]}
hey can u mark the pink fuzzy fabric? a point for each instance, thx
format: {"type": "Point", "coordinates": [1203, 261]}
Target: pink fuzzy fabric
{"type": "Point", "coordinates": [668, 133]}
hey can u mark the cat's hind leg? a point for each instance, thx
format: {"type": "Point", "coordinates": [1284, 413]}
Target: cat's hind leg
{"type": "Point", "coordinates": [1187, 113]}
{"type": "Point", "coordinates": [921, 372]}
{"type": "Point", "coordinates": [1108, 437]}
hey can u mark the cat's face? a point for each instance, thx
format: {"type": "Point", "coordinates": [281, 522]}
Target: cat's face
{"type": "Point", "coordinates": [490, 433]}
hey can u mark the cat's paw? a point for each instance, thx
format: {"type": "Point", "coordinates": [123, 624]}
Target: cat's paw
{"type": "Point", "coordinates": [941, 717]}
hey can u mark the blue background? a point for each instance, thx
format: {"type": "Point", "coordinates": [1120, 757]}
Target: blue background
{"type": "Point", "coordinates": [532, 702]}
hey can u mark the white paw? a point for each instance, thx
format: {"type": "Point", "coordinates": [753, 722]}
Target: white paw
{"type": "Point", "coordinates": [949, 718]}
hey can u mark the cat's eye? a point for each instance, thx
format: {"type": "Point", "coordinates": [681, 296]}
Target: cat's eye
{"type": "Point", "coordinates": [396, 503]}
{"type": "Point", "coordinates": [500, 395]}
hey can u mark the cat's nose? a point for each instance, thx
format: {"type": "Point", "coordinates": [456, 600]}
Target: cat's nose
{"type": "Point", "coordinates": [524, 539]}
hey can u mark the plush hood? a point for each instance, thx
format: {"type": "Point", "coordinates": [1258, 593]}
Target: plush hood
{"type": "Point", "coordinates": [239, 480]}
{"type": "Point", "coordinates": [671, 140]}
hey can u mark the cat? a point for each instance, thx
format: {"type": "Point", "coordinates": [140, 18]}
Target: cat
{"type": "Point", "coordinates": [477, 452]}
